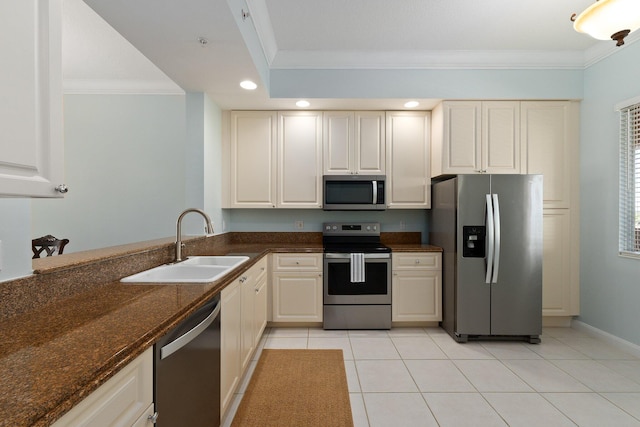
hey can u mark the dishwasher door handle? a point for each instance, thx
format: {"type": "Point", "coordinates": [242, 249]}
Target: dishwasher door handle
{"type": "Point", "coordinates": [186, 338]}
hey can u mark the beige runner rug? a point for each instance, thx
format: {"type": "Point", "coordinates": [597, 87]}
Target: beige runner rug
{"type": "Point", "coordinates": [296, 388]}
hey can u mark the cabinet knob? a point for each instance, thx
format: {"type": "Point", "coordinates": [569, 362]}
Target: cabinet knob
{"type": "Point", "coordinates": [62, 189]}
{"type": "Point", "coordinates": [153, 418]}
{"type": "Point", "coordinates": [417, 261]}
{"type": "Point", "coordinates": [257, 290]}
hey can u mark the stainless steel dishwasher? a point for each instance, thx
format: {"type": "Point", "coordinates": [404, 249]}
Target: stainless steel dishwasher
{"type": "Point", "coordinates": [187, 371]}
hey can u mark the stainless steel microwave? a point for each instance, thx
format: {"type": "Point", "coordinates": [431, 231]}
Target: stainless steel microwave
{"type": "Point", "coordinates": [354, 192]}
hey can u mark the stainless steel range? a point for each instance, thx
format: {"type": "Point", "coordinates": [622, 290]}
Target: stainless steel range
{"type": "Point", "coordinates": [357, 277]}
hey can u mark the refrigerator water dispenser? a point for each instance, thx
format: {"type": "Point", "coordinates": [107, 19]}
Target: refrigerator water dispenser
{"type": "Point", "coordinates": [474, 236]}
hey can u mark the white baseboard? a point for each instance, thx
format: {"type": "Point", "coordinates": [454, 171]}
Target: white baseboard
{"type": "Point", "coordinates": [624, 345]}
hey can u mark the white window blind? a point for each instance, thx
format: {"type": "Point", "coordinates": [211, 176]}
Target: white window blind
{"type": "Point", "coordinates": [629, 240]}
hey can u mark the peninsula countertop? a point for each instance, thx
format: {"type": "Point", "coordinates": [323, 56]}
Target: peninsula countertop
{"type": "Point", "coordinates": [53, 356]}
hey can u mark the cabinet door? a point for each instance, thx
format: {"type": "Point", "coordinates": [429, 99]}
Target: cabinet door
{"type": "Point", "coordinates": [230, 342]}
{"type": "Point", "coordinates": [297, 297]}
{"type": "Point", "coordinates": [120, 401]}
{"type": "Point", "coordinates": [247, 346]}
{"type": "Point", "coordinates": [461, 145]}
{"type": "Point", "coordinates": [416, 296]}
{"type": "Point", "coordinates": [369, 143]}
{"type": "Point", "coordinates": [557, 288]}
{"type": "Point", "coordinates": [31, 146]}
{"type": "Point", "coordinates": [408, 173]}
{"type": "Point", "coordinates": [299, 159]}
{"type": "Point", "coordinates": [549, 129]}
{"type": "Point", "coordinates": [260, 308]}
{"type": "Point", "coordinates": [501, 137]}
{"type": "Point", "coordinates": [337, 142]}
{"type": "Point", "coordinates": [252, 160]}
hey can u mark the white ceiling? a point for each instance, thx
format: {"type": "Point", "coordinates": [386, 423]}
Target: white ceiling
{"type": "Point", "coordinates": [307, 34]}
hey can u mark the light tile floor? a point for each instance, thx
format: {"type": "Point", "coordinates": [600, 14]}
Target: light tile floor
{"type": "Point", "coordinates": [421, 377]}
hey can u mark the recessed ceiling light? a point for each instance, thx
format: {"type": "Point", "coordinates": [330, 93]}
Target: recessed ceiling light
{"type": "Point", "coordinates": [411, 104]}
{"type": "Point", "coordinates": [302, 103]}
{"type": "Point", "coordinates": [248, 85]}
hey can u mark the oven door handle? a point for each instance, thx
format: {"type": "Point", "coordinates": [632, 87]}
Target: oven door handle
{"type": "Point", "coordinates": [348, 256]}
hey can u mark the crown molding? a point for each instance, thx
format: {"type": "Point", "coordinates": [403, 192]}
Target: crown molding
{"type": "Point", "coordinates": [603, 49]}
{"type": "Point", "coordinates": [120, 87]}
{"type": "Point", "coordinates": [463, 59]}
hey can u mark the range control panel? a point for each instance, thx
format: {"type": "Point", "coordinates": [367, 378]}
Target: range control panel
{"type": "Point", "coordinates": [351, 229]}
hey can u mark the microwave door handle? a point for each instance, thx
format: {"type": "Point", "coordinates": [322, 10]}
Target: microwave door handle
{"type": "Point", "coordinates": [375, 191]}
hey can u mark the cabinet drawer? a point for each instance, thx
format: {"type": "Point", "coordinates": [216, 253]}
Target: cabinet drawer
{"type": "Point", "coordinates": [291, 261]}
{"type": "Point", "coordinates": [260, 269]}
{"type": "Point", "coordinates": [416, 260]}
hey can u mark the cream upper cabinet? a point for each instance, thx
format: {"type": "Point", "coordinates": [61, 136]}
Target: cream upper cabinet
{"type": "Point", "coordinates": [477, 137]}
{"type": "Point", "coordinates": [299, 159]}
{"type": "Point", "coordinates": [550, 132]}
{"type": "Point", "coordinates": [251, 173]}
{"type": "Point", "coordinates": [353, 142]}
{"type": "Point", "coordinates": [32, 145]}
{"type": "Point", "coordinates": [408, 164]}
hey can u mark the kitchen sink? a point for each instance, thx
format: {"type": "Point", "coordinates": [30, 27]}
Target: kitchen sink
{"type": "Point", "coordinates": [201, 269]}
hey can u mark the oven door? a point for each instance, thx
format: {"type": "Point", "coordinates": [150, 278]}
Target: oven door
{"type": "Point", "coordinates": [375, 289]}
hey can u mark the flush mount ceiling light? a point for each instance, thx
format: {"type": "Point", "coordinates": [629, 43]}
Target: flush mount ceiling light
{"type": "Point", "coordinates": [411, 104]}
{"type": "Point", "coordinates": [302, 103]}
{"type": "Point", "coordinates": [248, 85]}
{"type": "Point", "coordinates": [609, 19]}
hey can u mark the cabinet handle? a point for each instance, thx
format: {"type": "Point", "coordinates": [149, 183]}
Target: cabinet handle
{"type": "Point", "coordinates": [417, 261]}
{"type": "Point", "coordinates": [62, 189]}
{"type": "Point", "coordinates": [153, 418]}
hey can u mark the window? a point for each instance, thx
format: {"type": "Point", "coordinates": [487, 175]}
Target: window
{"type": "Point", "coordinates": [629, 240]}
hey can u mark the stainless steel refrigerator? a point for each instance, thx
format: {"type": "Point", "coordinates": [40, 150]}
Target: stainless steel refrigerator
{"type": "Point", "coordinates": [490, 228]}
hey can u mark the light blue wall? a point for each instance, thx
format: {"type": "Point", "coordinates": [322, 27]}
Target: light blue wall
{"type": "Point", "coordinates": [284, 219]}
{"type": "Point", "coordinates": [610, 285]}
{"type": "Point", "coordinates": [125, 168]}
{"type": "Point", "coordinates": [439, 84]}
{"type": "Point", "coordinates": [15, 234]}
{"type": "Point", "coordinates": [203, 186]}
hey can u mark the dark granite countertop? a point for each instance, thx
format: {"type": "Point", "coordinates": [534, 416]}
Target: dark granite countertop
{"type": "Point", "coordinates": [72, 326]}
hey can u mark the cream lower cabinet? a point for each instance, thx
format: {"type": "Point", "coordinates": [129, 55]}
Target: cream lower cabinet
{"type": "Point", "coordinates": [416, 287]}
{"type": "Point", "coordinates": [408, 160]}
{"type": "Point", "coordinates": [297, 287]}
{"type": "Point", "coordinates": [126, 399]}
{"type": "Point", "coordinates": [560, 292]}
{"type": "Point", "coordinates": [230, 342]}
{"type": "Point", "coordinates": [243, 318]}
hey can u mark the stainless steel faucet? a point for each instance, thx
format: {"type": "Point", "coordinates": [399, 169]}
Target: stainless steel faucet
{"type": "Point", "coordinates": [179, 243]}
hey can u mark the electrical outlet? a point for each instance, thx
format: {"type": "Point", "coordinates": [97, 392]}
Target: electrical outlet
{"type": "Point", "coordinates": [299, 225]}
{"type": "Point", "coordinates": [224, 225]}
{"type": "Point", "coordinates": [403, 225]}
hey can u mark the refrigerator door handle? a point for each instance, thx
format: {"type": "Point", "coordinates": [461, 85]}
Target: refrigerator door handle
{"type": "Point", "coordinates": [490, 239]}
{"type": "Point", "coordinates": [496, 233]}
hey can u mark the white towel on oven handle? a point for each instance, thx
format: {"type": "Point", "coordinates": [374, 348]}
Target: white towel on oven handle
{"type": "Point", "coordinates": [357, 267]}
